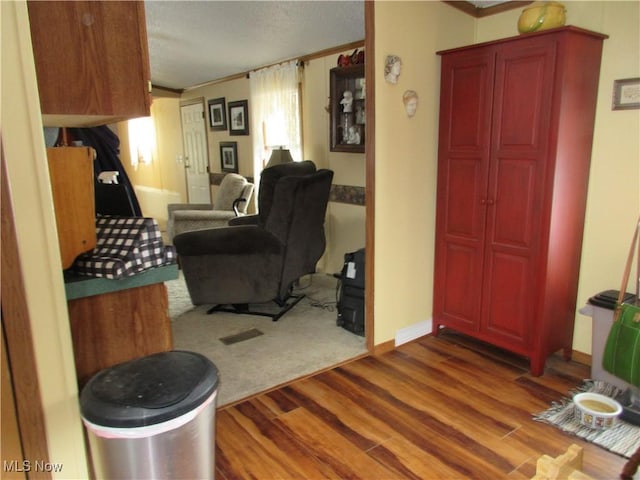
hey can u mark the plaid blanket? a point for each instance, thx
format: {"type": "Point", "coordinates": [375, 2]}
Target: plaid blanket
{"type": "Point", "coordinates": [125, 246]}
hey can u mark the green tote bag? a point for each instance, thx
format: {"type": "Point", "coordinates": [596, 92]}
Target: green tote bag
{"type": "Point", "coordinates": [622, 351]}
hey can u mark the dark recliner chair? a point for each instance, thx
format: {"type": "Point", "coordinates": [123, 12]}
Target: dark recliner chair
{"type": "Point", "coordinates": [258, 258]}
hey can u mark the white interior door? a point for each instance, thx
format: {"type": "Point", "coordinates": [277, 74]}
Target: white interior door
{"type": "Point", "coordinates": [196, 162]}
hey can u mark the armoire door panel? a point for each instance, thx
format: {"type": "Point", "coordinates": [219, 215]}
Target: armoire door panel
{"type": "Point", "coordinates": [467, 88]}
{"type": "Point", "coordinates": [524, 87]}
{"type": "Point", "coordinates": [507, 307]}
{"type": "Point", "coordinates": [462, 181]}
{"type": "Point", "coordinates": [465, 186]}
{"type": "Point", "coordinates": [513, 212]}
{"type": "Point", "coordinates": [462, 283]}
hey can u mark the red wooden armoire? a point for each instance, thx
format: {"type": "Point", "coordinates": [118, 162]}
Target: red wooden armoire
{"type": "Point", "coordinates": [516, 128]}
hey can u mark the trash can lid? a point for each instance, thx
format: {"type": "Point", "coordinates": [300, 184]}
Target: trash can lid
{"type": "Point", "coordinates": [608, 299]}
{"type": "Point", "coordinates": [148, 390]}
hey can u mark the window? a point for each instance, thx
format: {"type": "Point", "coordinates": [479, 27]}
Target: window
{"type": "Point", "coordinates": [275, 113]}
{"type": "Point", "coordinates": [142, 140]}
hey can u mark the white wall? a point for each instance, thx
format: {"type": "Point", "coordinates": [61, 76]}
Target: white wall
{"type": "Point", "coordinates": [406, 158]}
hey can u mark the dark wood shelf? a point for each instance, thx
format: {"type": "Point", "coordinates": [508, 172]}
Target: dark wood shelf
{"type": "Point", "coordinates": [347, 123]}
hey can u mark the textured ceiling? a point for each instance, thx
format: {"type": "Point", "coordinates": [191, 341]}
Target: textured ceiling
{"type": "Point", "coordinates": [194, 42]}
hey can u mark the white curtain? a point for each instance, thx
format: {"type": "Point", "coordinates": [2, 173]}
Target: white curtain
{"type": "Point", "coordinates": [275, 113]}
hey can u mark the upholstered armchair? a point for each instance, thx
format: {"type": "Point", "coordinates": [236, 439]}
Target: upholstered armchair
{"type": "Point", "coordinates": [258, 258]}
{"type": "Point", "coordinates": [231, 201]}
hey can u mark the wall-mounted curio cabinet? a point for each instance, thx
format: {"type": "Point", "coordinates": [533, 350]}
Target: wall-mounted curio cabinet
{"type": "Point", "coordinates": [347, 109]}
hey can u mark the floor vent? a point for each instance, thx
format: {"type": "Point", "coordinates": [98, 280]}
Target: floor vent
{"type": "Point", "coordinates": [241, 337]}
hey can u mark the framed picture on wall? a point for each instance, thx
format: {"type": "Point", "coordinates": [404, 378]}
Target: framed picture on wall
{"type": "Point", "coordinates": [626, 94]}
{"type": "Point", "coordinates": [217, 114]}
{"type": "Point", "coordinates": [229, 156]}
{"type": "Point", "coordinates": [239, 117]}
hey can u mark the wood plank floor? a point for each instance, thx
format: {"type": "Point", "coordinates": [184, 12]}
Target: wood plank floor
{"type": "Point", "coordinates": [439, 407]}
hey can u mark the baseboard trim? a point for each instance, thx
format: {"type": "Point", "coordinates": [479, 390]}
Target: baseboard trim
{"type": "Point", "coordinates": [581, 357]}
{"type": "Point", "coordinates": [414, 331]}
{"type": "Point", "coordinates": [417, 330]}
{"type": "Point", "coordinates": [383, 347]}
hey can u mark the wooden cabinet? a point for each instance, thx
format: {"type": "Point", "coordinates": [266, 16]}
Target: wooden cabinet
{"type": "Point", "coordinates": [92, 61]}
{"type": "Point", "coordinates": [347, 108]}
{"type": "Point", "coordinates": [71, 175]}
{"type": "Point", "coordinates": [119, 326]}
{"type": "Point", "coordinates": [516, 127]}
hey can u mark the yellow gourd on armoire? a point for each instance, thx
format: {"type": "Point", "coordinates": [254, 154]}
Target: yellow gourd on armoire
{"type": "Point", "coordinates": [542, 16]}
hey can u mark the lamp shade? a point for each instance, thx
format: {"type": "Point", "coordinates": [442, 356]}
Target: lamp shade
{"type": "Point", "coordinates": [278, 156]}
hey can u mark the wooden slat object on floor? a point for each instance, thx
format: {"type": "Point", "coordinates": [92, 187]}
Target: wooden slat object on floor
{"type": "Point", "coordinates": [439, 407]}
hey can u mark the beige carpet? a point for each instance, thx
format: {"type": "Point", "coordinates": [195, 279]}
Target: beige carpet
{"type": "Point", "coordinates": [303, 341]}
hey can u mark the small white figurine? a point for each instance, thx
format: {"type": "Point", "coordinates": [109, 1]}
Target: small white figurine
{"type": "Point", "coordinates": [347, 101]}
{"type": "Point", "coordinates": [108, 176]}
{"type": "Point", "coordinates": [392, 67]}
{"type": "Point", "coordinates": [354, 136]}
{"type": "Point", "coordinates": [410, 99]}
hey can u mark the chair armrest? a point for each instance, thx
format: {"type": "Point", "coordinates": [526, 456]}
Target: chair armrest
{"type": "Point", "coordinates": [236, 205]}
{"type": "Point", "coordinates": [245, 239]}
{"type": "Point", "coordinates": [245, 220]}
{"type": "Point", "coordinates": [201, 215]}
{"type": "Point", "coordinates": [172, 207]}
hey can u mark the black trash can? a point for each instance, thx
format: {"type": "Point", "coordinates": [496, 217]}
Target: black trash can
{"type": "Point", "coordinates": [153, 418]}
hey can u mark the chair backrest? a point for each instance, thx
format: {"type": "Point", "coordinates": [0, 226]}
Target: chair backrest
{"type": "Point", "coordinates": [269, 178]}
{"type": "Point", "coordinates": [231, 187]}
{"type": "Point", "coordinates": [296, 218]}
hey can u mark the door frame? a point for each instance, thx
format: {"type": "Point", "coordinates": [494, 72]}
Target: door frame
{"type": "Point", "coordinates": [186, 103]}
{"type": "Point", "coordinates": [33, 317]}
{"type": "Point", "coordinates": [370, 176]}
